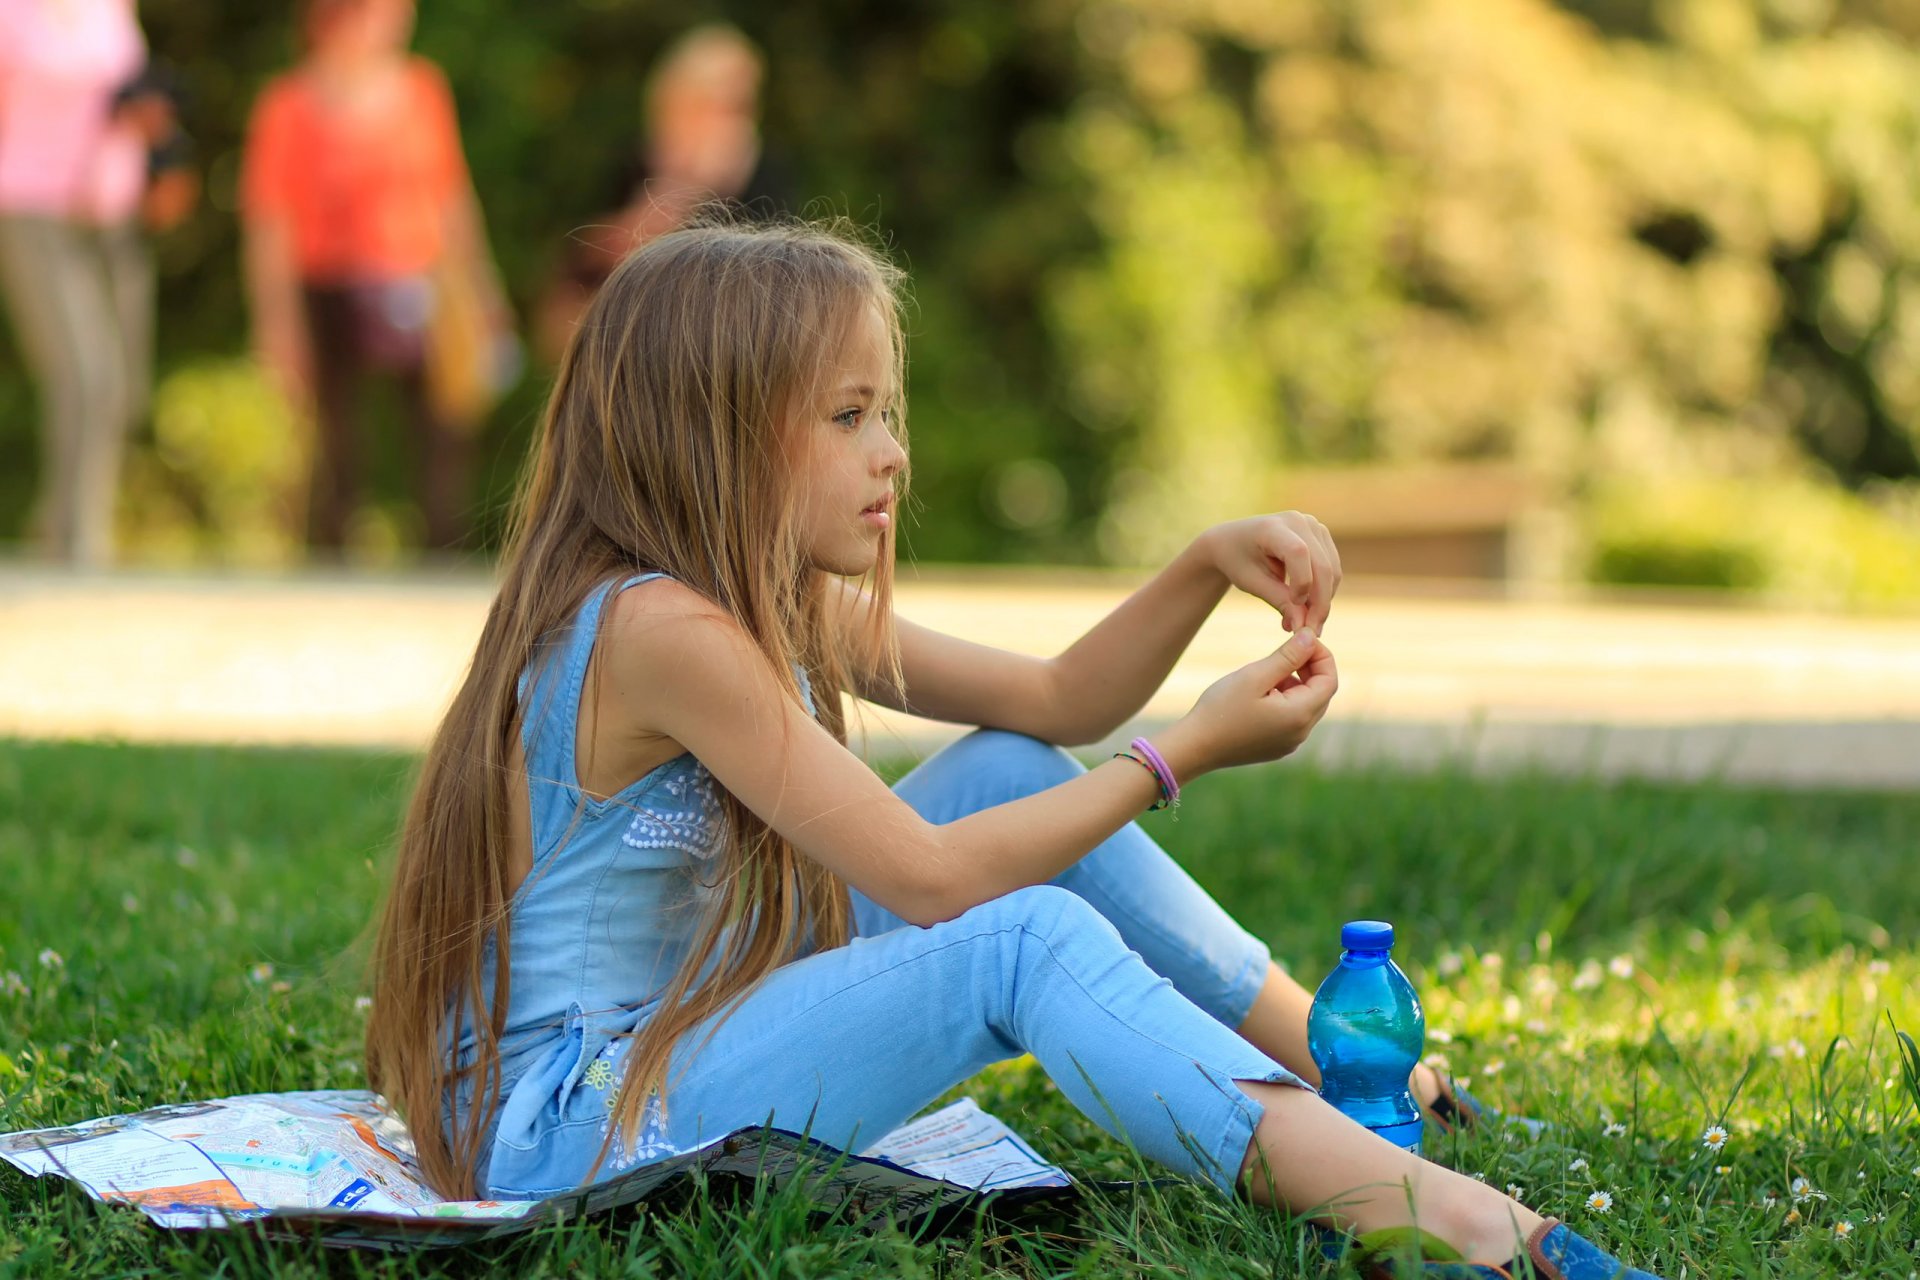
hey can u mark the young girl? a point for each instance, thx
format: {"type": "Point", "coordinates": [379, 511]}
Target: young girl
{"type": "Point", "coordinates": [646, 896]}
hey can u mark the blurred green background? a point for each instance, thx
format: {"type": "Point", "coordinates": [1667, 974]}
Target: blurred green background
{"type": "Point", "coordinates": [1651, 265]}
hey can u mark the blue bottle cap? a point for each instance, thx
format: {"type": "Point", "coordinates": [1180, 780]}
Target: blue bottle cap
{"type": "Point", "coordinates": [1366, 935]}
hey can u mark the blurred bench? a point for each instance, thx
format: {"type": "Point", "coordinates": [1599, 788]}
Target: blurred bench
{"type": "Point", "coordinates": [1440, 520]}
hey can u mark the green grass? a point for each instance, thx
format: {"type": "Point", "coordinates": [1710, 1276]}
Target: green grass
{"type": "Point", "coordinates": [1657, 958]}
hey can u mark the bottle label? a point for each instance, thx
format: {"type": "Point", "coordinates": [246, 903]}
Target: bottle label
{"type": "Point", "coordinates": [1405, 1136]}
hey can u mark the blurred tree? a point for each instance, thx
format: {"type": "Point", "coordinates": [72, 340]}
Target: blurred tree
{"type": "Point", "coordinates": [1161, 248]}
{"type": "Point", "coordinates": [918, 120]}
{"type": "Point", "coordinates": [1490, 228]}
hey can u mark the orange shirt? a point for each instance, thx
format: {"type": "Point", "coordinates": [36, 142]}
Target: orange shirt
{"type": "Point", "coordinates": [366, 199]}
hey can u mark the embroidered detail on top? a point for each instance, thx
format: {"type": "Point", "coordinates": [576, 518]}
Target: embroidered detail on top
{"type": "Point", "coordinates": [686, 818]}
{"type": "Point", "coordinates": [652, 1143]}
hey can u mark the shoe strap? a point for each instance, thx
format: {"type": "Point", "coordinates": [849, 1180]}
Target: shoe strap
{"type": "Point", "coordinates": [1536, 1251]}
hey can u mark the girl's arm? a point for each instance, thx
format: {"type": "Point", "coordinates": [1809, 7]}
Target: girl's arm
{"type": "Point", "coordinates": [1106, 676]}
{"type": "Point", "coordinates": [679, 667]}
{"type": "Point", "coordinates": [269, 262]}
{"type": "Point", "coordinates": [463, 221]}
{"type": "Point", "coordinates": [280, 336]}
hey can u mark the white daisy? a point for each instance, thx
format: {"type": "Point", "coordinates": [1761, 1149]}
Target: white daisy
{"type": "Point", "coordinates": [1515, 1190]}
{"type": "Point", "coordinates": [1841, 1230]}
{"type": "Point", "coordinates": [1803, 1191]}
{"type": "Point", "coordinates": [13, 984]}
{"type": "Point", "coordinates": [1614, 1130]}
{"type": "Point", "coordinates": [1600, 1202]}
{"type": "Point", "coordinates": [262, 972]}
{"type": "Point", "coordinates": [1578, 1166]}
{"type": "Point", "coordinates": [1714, 1138]}
{"type": "Point", "coordinates": [1621, 966]}
{"type": "Point", "coordinates": [50, 959]}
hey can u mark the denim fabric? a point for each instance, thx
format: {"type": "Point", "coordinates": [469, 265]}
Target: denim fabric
{"type": "Point", "coordinates": [1122, 978]}
{"type": "Point", "coordinates": [1179, 930]}
{"type": "Point", "coordinates": [610, 907]}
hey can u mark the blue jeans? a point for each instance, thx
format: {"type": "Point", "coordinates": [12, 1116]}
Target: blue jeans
{"type": "Point", "coordinates": [1123, 978]}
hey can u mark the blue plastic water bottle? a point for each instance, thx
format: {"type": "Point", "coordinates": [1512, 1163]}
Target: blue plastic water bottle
{"type": "Point", "coordinates": [1366, 1032]}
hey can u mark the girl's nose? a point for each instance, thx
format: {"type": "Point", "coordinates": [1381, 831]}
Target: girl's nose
{"type": "Point", "coordinates": [892, 457]}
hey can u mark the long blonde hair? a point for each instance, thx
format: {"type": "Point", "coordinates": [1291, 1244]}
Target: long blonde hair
{"type": "Point", "coordinates": [661, 450]}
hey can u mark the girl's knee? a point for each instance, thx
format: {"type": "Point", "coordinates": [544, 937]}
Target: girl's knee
{"type": "Point", "coordinates": [1026, 764]}
{"type": "Point", "coordinates": [983, 769]}
{"type": "Point", "coordinates": [1048, 912]}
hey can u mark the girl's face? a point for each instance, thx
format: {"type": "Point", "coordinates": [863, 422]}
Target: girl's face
{"type": "Point", "coordinates": [844, 454]}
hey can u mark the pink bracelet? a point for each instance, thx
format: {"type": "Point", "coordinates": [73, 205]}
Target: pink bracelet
{"type": "Point", "coordinates": [1169, 785]}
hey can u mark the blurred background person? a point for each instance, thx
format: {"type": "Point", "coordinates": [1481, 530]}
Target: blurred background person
{"type": "Point", "coordinates": [700, 143]}
{"type": "Point", "coordinates": [76, 128]}
{"type": "Point", "coordinates": [364, 249]}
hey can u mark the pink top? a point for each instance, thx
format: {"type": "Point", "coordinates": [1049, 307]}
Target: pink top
{"type": "Point", "coordinates": [60, 63]}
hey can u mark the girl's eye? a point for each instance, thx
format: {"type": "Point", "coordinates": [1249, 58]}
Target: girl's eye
{"type": "Point", "coordinates": [848, 418]}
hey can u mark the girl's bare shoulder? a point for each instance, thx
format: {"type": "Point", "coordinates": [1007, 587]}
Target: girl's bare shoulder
{"type": "Point", "coordinates": [681, 648]}
{"type": "Point", "coordinates": [646, 605]}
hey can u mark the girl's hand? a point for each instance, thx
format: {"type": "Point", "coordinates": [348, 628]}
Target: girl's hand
{"type": "Point", "coordinates": [1287, 559]}
{"type": "Point", "coordinates": [1263, 711]}
{"type": "Point", "coordinates": [284, 351]}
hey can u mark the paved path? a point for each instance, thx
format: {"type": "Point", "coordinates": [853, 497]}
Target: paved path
{"type": "Point", "coordinates": [1665, 690]}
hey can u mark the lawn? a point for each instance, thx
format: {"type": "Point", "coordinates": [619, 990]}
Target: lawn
{"type": "Point", "coordinates": [1634, 962]}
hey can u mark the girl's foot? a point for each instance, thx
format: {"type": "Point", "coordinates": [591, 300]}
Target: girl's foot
{"type": "Point", "coordinates": [1448, 1106]}
{"type": "Point", "coordinates": [1552, 1250]}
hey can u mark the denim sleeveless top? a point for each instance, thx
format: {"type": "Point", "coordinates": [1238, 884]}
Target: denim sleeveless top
{"type": "Point", "coordinates": [611, 907]}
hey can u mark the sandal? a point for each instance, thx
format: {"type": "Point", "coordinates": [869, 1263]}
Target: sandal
{"type": "Point", "coordinates": [1455, 1109]}
{"type": "Point", "coordinates": [1553, 1252]}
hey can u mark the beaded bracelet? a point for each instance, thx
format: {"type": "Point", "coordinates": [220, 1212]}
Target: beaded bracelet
{"type": "Point", "coordinates": [1169, 785]}
{"type": "Point", "coordinates": [1155, 764]}
{"type": "Point", "coordinates": [1159, 804]}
